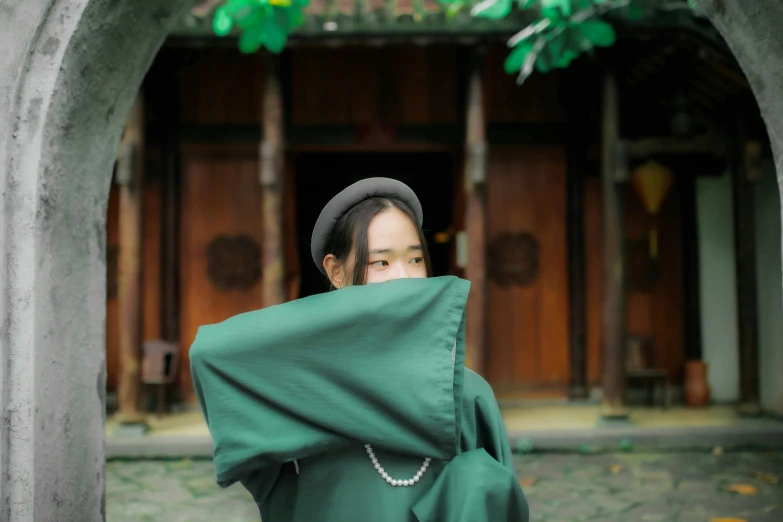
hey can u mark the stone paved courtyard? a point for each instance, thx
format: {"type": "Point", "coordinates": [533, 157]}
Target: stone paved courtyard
{"type": "Point", "coordinates": [627, 487]}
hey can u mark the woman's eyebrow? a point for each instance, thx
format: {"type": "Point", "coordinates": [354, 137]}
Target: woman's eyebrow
{"type": "Point", "coordinates": [389, 250]}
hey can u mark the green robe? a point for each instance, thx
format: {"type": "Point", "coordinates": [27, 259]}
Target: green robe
{"type": "Point", "coordinates": [291, 393]}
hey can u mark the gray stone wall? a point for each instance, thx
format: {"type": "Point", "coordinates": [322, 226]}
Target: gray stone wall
{"type": "Point", "coordinates": [69, 72]}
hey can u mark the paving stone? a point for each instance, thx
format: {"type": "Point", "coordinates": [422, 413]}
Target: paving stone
{"type": "Point", "coordinates": [653, 475]}
{"type": "Point", "coordinates": [568, 488]}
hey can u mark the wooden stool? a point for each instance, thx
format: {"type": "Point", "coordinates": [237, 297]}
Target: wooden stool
{"type": "Point", "coordinates": [639, 365]}
{"type": "Point", "coordinates": [159, 368]}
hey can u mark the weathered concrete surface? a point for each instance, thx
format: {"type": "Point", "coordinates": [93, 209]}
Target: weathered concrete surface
{"type": "Point", "coordinates": [69, 71]}
{"type": "Point", "coordinates": [752, 31]}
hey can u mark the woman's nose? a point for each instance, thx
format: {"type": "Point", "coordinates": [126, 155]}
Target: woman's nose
{"type": "Point", "coordinates": [401, 271]}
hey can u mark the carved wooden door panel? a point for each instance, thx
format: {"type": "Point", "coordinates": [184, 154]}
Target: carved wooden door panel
{"type": "Point", "coordinates": [220, 263]}
{"type": "Point", "coordinates": [527, 269]}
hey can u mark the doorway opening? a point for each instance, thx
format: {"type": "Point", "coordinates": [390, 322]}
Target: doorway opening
{"type": "Point", "coordinates": [320, 176]}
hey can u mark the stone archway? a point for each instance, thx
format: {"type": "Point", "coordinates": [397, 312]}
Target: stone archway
{"type": "Point", "coordinates": [752, 32]}
{"type": "Point", "coordinates": [69, 70]}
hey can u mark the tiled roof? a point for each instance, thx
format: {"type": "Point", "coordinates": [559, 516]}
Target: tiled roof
{"type": "Point", "coordinates": [374, 16]}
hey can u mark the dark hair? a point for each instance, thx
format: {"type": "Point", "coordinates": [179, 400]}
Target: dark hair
{"type": "Point", "coordinates": [350, 233]}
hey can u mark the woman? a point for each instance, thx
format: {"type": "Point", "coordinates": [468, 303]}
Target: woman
{"type": "Point", "coordinates": [354, 405]}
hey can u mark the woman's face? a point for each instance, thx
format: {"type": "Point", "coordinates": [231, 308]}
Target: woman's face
{"type": "Point", "coordinates": [394, 248]}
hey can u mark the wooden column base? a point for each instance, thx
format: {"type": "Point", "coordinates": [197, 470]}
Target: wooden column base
{"type": "Point", "coordinates": [618, 411]}
{"type": "Point", "coordinates": [749, 409]}
{"type": "Point", "coordinates": [131, 418]}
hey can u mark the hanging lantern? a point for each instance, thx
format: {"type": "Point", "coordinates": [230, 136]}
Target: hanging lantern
{"type": "Point", "coordinates": [652, 182]}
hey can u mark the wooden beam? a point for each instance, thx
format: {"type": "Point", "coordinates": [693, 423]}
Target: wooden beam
{"type": "Point", "coordinates": [709, 143]}
{"type": "Point", "coordinates": [406, 137]}
{"type": "Point", "coordinates": [745, 234]}
{"type": "Point", "coordinates": [273, 179]}
{"type": "Point", "coordinates": [130, 177]}
{"type": "Point", "coordinates": [475, 216]}
{"type": "Point", "coordinates": [544, 133]}
{"type": "Point", "coordinates": [613, 164]}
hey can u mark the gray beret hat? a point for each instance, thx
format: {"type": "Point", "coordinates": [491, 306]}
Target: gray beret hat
{"type": "Point", "coordinates": [348, 198]}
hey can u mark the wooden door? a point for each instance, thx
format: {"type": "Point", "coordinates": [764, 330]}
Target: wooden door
{"type": "Point", "coordinates": [220, 263]}
{"type": "Point", "coordinates": [527, 341]}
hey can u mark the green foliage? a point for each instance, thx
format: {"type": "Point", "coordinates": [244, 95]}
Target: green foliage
{"type": "Point", "coordinates": [263, 23]}
{"type": "Point", "coordinates": [563, 30]}
{"type": "Point", "coordinates": [492, 9]}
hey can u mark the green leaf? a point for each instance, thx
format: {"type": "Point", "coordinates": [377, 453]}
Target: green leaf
{"type": "Point", "coordinates": [634, 11]}
{"type": "Point", "coordinates": [241, 8]}
{"type": "Point", "coordinates": [222, 22]}
{"type": "Point", "coordinates": [251, 39]}
{"type": "Point", "coordinates": [554, 47]}
{"type": "Point", "coordinates": [275, 36]}
{"type": "Point", "coordinates": [455, 8]}
{"type": "Point", "coordinates": [543, 64]}
{"type": "Point", "coordinates": [556, 9]}
{"type": "Point", "coordinates": [254, 17]}
{"type": "Point", "coordinates": [492, 9]}
{"type": "Point", "coordinates": [287, 19]}
{"type": "Point", "coordinates": [526, 4]}
{"type": "Point", "coordinates": [550, 54]}
{"type": "Point", "coordinates": [517, 57]}
{"type": "Point", "coordinates": [559, 52]}
{"type": "Point", "coordinates": [296, 19]}
{"type": "Point", "coordinates": [600, 33]}
{"type": "Point", "coordinates": [565, 58]}
{"type": "Point", "coordinates": [246, 13]}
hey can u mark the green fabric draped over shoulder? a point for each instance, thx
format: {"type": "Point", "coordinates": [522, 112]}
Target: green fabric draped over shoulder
{"type": "Point", "coordinates": [319, 377]}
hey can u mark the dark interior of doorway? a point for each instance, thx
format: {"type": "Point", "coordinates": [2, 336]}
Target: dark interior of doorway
{"type": "Point", "coordinates": [319, 176]}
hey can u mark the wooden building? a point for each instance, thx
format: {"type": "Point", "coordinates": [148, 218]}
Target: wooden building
{"type": "Point", "coordinates": [527, 191]}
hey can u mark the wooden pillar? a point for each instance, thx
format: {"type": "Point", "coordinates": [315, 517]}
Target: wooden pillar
{"type": "Point", "coordinates": [171, 210]}
{"type": "Point", "coordinates": [475, 216]}
{"type": "Point", "coordinates": [613, 167]}
{"type": "Point", "coordinates": [745, 234]}
{"type": "Point", "coordinates": [690, 250]}
{"type": "Point", "coordinates": [576, 157]}
{"type": "Point", "coordinates": [130, 177]}
{"type": "Point", "coordinates": [273, 180]}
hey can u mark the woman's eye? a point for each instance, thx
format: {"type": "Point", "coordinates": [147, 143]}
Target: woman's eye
{"type": "Point", "coordinates": [380, 264]}
{"type": "Point", "coordinates": [417, 260]}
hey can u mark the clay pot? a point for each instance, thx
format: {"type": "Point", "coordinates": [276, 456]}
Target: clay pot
{"type": "Point", "coordinates": [697, 390]}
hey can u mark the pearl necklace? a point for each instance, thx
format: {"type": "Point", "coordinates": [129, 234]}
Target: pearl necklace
{"type": "Point", "coordinates": [395, 482]}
